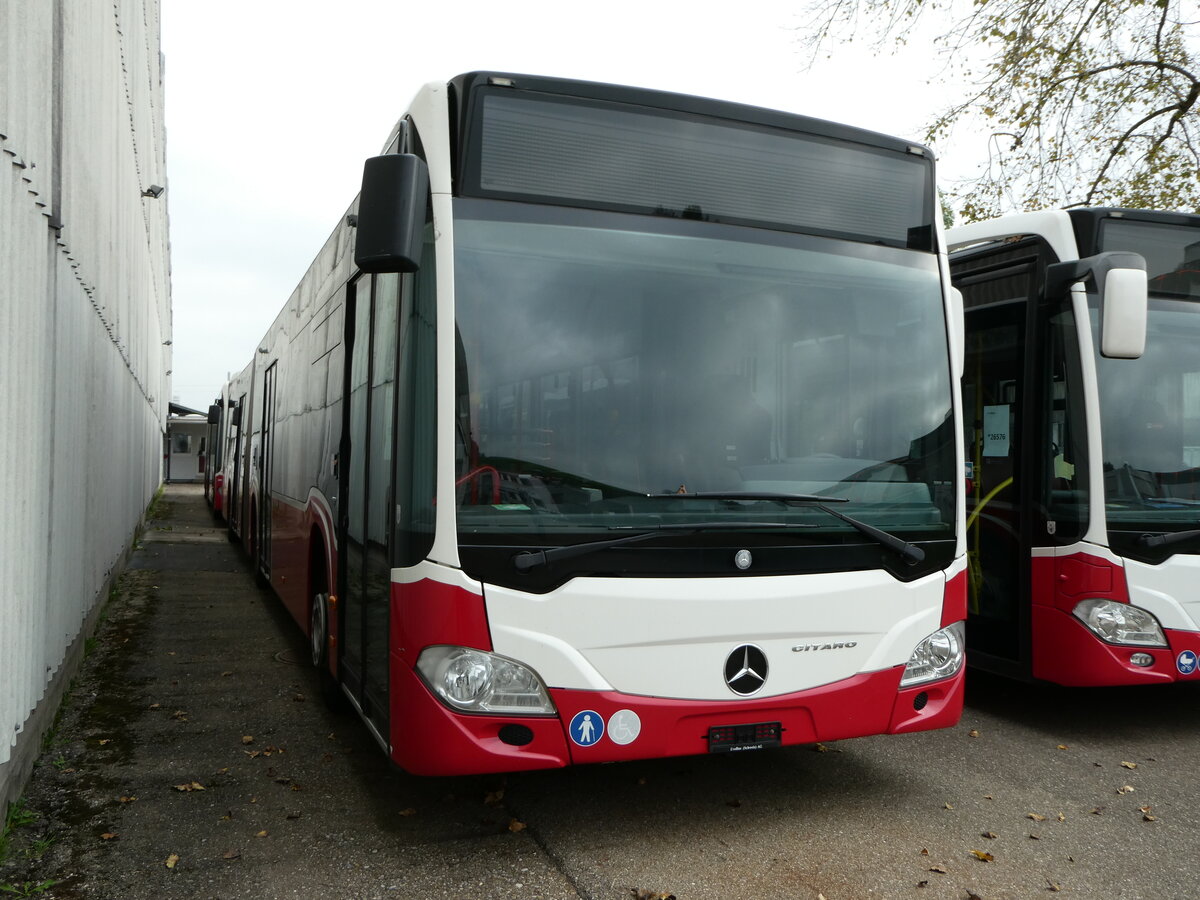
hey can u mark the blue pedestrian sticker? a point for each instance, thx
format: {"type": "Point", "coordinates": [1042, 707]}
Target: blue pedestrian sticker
{"type": "Point", "coordinates": [586, 728]}
{"type": "Point", "coordinates": [1186, 662]}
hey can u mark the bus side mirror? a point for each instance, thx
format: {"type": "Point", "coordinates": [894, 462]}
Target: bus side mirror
{"type": "Point", "coordinates": [1120, 282]}
{"type": "Point", "coordinates": [391, 213]}
{"type": "Point", "coordinates": [214, 415]}
{"type": "Point", "coordinates": [235, 418]}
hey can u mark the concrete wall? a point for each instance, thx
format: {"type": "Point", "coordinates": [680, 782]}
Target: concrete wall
{"type": "Point", "coordinates": [85, 325]}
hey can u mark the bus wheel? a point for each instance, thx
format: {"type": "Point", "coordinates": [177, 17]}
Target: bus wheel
{"type": "Point", "coordinates": [318, 639]}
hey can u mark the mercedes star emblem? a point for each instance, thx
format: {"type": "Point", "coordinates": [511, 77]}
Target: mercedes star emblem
{"type": "Point", "coordinates": [746, 670]}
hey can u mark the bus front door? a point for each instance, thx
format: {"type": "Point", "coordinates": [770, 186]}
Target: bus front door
{"type": "Point", "coordinates": [367, 491]}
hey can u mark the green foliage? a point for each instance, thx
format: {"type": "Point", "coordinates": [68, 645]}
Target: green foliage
{"type": "Point", "coordinates": [1086, 102]}
{"type": "Point", "coordinates": [18, 815]}
{"type": "Point", "coordinates": [27, 888]}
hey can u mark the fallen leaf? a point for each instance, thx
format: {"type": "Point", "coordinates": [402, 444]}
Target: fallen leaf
{"type": "Point", "coordinates": [924, 852]}
{"type": "Point", "coordinates": [1098, 810]}
{"type": "Point", "coordinates": [1146, 817]}
{"type": "Point", "coordinates": [1128, 765]}
{"type": "Point", "coordinates": [493, 798]}
{"type": "Point", "coordinates": [982, 856]}
{"type": "Point", "coordinates": [188, 788]}
{"type": "Point", "coordinates": [987, 797]}
{"type": "Point", "coordinates": [515, 826]}
{"type": "Point", "coordinates": [644, 894]}
{"type": "Point", "coordinates": [1053, 886]}
{"type": "Point", "coordinates": [247, 739]}
{"type": "Point", "coordinates": [232, 854]}
{"type": "Point", "coordinates": [171, 860]}
{"type": "Point", "coordinates": [971, 895]}
{"type": "Point", "coordinates": [126, 799]}
{"type": "Point", "coordinates": [104, 741]}
{"type": "Point", "coordinates": [820, 748]}
{"type": "Point", "coordinates": [108, 836]}
{"type": "Point", "coordinates": [948, 806]}
{"type": "Point", "coordinates": [1063, 747]}
{"type": "Point", "coordinates": [1035, 817]}
{"type": "Point", "coordinates": [974, 732]}
{"type": "Point", "coordinates": [1125, 789]}
{"type": "Point", "coordinates": [1061, 817]}
{"type": "Point", "coordinates": [1034, 837]}
{"type": "Point", "coordinates": [294, 815]}
{"type": "Point", "coordinates": [924, 883]}
{"type": "Point", "coordinates": [941, 870]}
{"type": "Point", "coordinates": [226, 674]}
{"type": "Point", "coordinates": [262, 833]}
{"type": "Point", "coordinates": [155, 706]}
{"type": "Point", "coordinates": [990, 835]}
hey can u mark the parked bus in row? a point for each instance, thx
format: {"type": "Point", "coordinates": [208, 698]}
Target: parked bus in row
{"type": "Point", "coordinates": [1082, 404]}
{"type": "Point", "coordinates": [214, 474]}
{"type": "Point", "coordinates": [615, 424]}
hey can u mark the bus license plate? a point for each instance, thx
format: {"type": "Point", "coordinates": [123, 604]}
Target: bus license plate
{"type": "Point", "coordinates": [730, 738]}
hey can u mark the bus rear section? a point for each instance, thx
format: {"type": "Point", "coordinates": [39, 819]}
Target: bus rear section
{"type": "Point", "coordinates": [1084, 514]}
{"type": "Point", "coordinates": [634, 422]}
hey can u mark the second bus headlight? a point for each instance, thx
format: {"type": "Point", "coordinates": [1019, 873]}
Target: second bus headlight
{"type": "Point", "coordinates": [938, 656]}
{"type": "Point", "coordinates": [477, 681]}
{"type": "Point", "coordinates": [1120, 623]}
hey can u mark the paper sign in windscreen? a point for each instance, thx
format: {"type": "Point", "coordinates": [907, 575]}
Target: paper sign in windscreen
{"type": "Point", "coordinates": [995, 430]}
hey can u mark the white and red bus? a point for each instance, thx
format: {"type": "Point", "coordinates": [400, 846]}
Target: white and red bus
{"type": "Point", "coordinates": [615, 424]}
{"type": "Point", "coordinates": [1082, 405]}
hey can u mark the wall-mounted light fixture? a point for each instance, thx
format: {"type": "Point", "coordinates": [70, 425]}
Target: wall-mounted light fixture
{"type": "Point", "coordinates": [155, 191]}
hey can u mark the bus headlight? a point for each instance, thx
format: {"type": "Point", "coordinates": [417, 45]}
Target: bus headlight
{"type": "Point", "coordinates": [1120, 623]}
{"type": "Point", "coordinates": [481, 682]}
{"type": "Point", "coordinates": [938, 656]}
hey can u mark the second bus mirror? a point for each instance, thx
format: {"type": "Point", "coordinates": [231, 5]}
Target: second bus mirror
{"type": "Point", "coordinates": [1120, 284]}
{"type": "Point", "coordinates": [214, 415]}
{"type": "Point", "coordinates": [391, 213]}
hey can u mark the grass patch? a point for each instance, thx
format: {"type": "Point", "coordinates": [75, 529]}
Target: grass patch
{"type": "Point", "coordinates": [18, 815]}
{"type": "Point", "coordinates": [27, 888]}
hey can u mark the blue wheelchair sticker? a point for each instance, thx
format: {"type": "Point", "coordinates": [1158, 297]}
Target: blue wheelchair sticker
{"type": "Point", "coordinates": [586, 728]}
{"type": "Point", "coordinates": [1186, 662]}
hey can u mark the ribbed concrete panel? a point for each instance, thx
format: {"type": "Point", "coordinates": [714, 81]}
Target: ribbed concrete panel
{"type": "Point", "coordinates": [85, 317]}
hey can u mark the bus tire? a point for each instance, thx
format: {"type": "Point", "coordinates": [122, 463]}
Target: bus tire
{"type": "Point", "coordinates": [318, 638]}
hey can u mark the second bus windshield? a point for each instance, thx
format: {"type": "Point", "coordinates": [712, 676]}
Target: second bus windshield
{"type": "Point", "coordinates": [1150, 407]}
{"type": "Point", "coordinates": [604, 357]}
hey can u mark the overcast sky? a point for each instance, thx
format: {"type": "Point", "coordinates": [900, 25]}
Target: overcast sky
{"type": "Point", "coordinates": [272, 106]}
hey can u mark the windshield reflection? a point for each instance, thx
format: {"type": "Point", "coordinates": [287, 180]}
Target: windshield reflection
{"type": "Point", "coordinates": [1150, 421]}
{"type": "Point", "coordinates": [598, 363]}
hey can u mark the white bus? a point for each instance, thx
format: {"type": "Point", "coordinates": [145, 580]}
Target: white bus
{"type": "Point", "coordinates": [1083, 443]}
{"type": "Point", "coordinates": [613, 424]}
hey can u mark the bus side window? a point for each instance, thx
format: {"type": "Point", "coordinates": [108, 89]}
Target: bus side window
{"type": "Point", "coordinates": [1064, 435]}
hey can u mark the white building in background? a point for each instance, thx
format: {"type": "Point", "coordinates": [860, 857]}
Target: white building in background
{"type": "Point", "coordinates": [85, 332]}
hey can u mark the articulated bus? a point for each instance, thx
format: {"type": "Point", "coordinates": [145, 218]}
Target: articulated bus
{"type": "Point", "coordinates": [615, 424]}
{"type": "Point", "coordinates": [1082, 402]}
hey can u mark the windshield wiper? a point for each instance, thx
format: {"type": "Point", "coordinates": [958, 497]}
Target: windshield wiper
{"type": "Point", "coordinates": [531, 559]}
{"type": "Point", "coordinates": [910, 552]}
{"type": "Point", "coordinates": [1161, 540]}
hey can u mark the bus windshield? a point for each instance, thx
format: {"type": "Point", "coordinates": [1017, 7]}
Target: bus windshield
{"type": "Point", "coordinates": [1150, 423]}
{"type": "Point", "coordinates": [608, 361]}
{"type": "Point", "coordinates": [1150, 407]}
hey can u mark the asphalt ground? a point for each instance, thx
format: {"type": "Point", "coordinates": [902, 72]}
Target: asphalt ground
{"type": "Point", "coordinates": [194, 759]}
